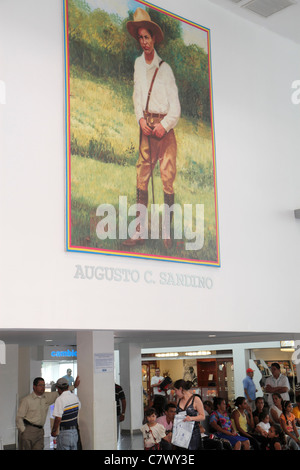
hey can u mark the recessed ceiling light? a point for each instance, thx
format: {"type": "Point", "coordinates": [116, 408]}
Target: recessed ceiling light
{"type": "Point", "coordinates": [212, 336]}
{"type": "Point", "coordinates": [198, 353]}
{"type": "Point", "coordinates": [170, 354]}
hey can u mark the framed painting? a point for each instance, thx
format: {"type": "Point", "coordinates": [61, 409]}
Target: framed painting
{"type": "Point", "coordinates": [140, 144]}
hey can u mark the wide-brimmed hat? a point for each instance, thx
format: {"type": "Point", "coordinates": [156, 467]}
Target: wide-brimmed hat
{"type": "Point", "coordinates": [141, 19]}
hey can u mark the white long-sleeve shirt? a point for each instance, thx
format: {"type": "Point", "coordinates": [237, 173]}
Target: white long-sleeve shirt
{"type": "Point", "coordinates": [164, 96]}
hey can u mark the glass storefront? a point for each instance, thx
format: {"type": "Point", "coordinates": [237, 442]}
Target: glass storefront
{"type": "Point", "coordinates": [210, 377]}
{"type": "Point", "coordinates": [56, 362]}
{"type": "Point", "coordinates": [53, 370]}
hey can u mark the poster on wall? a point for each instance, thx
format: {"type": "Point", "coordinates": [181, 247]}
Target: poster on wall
{"type": "Point", "coordinates": [140, 145]}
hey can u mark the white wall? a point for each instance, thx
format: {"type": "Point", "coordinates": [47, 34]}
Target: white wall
{"type": "Point", "coordinates": [257, 153]}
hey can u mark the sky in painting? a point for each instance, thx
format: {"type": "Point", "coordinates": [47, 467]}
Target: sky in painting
{"type": "Point", "coordinates": [191, 34]}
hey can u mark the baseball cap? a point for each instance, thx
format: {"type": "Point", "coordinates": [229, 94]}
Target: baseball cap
{"type": "Point", "coordinates": [62, 383]}
{"type": "Point", "coordinates": [249, 370]}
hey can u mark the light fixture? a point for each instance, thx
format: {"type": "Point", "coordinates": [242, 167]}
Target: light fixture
{"type": "Point", "coordinates": [287, 346]}
{"type": "Point", "coordinates": [170, 354]}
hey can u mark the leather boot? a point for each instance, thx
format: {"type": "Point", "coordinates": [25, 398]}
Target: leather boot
{"type": "Point", "coordinates": [169, 201]}
{"type": "Point", "coordinates": [141, 198]}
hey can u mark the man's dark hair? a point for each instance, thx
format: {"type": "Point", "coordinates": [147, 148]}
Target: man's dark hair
{"type": "Point", "coordinates": [37, 380]}
{"type": "Point", "coordinates": [275, 364]}
{"type": "Point", "coordinates": [170, 405]}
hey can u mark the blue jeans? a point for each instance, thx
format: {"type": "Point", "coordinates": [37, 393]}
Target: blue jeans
{"type": "Point", "coordinates": [67, 439]}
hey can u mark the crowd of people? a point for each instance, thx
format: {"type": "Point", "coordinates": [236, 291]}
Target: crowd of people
{"type": "Point", "coordinates": [251, 424]}
{"type": "Point", "coordinates": [177, 421]}
{"type": "Point", "coordinates": [218, 427]}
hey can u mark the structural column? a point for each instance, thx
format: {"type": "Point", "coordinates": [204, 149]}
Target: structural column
{"type": "Point", "coordinates": [95, 362]}
{"type": "Point", "coordinates": [131, 382]}
{"type": "Point", "coordinates": [240, 363]}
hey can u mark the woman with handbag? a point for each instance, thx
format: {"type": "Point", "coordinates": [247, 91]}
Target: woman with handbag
{"type": "Point", "coordinates": [192, 405]}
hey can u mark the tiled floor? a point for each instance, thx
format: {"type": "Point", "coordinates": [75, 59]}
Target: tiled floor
{"type": "Point", "coordinates": [126, 442]}
{"type": "Point", "coordinates": [130, 442]}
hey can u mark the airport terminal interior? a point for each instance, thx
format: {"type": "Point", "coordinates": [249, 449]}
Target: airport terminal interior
{"type": "Point", "coordinates": [219, 298]}
{"type": "Point", "coordinates": [215, 362]}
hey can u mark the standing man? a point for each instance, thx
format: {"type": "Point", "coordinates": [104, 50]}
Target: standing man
{"type": "Point", "coordinates": [121, 406]}
{"type": "Point", "coordinates": [277, 383]}
{"type": "Point", "coordinates": [32, 414]}
{"type": "Point", "coordinates": [157, 111]}
{"type": "Point", "coordinates": [65, 413]}
{"type": "Point", "coordinates": [250, 388]}
{"type": "Point", "coordinates": [69, 377]}
{"type": "Point", "coordinates": [156, 380]}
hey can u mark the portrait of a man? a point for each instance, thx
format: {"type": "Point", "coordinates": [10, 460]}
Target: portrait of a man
{"type": "Point", "coordinates": [157, 111]}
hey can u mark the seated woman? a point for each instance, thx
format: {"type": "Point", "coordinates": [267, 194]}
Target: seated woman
{"type": "Point", "coordinates": [243, 423]}
{"type": "Point", "coordinates": [208, 407]}
{"type": "Point", "coordinates": [260, 405]}
{"type": "Point", "coordinates": [276, 409]}
{"type": "Point", "coordinates": [222, 426]}
{"type": "Point", "coordinates": [296, 410]}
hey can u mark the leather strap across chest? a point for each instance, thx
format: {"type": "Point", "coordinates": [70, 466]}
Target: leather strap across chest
{"type": "Point", "coordinates": [151, 85]}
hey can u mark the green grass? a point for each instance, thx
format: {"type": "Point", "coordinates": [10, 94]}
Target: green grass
{"type": "Point", "coordinates": [104, 144]}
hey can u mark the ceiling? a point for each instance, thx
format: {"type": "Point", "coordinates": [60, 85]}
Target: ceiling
{"type": "Point", "coordinates": [285, 23]}
{"type": "Point", "coordinates": [146, 339]}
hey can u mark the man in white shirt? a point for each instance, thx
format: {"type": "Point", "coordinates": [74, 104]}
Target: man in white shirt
{"type": "Point", "coordinates": [156, 380]}
{"type": "Point", "coordinates": [66, 408]}
{"type": "Point", "coordinates": [157, 111]}
{"type": "Point", "coordinates": [277, 383]}
{"type": "Point", "coordinates": [159, 395]}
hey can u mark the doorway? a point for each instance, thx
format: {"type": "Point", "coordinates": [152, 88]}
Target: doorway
{"type": "Point", "coordinates": [215, 378]}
